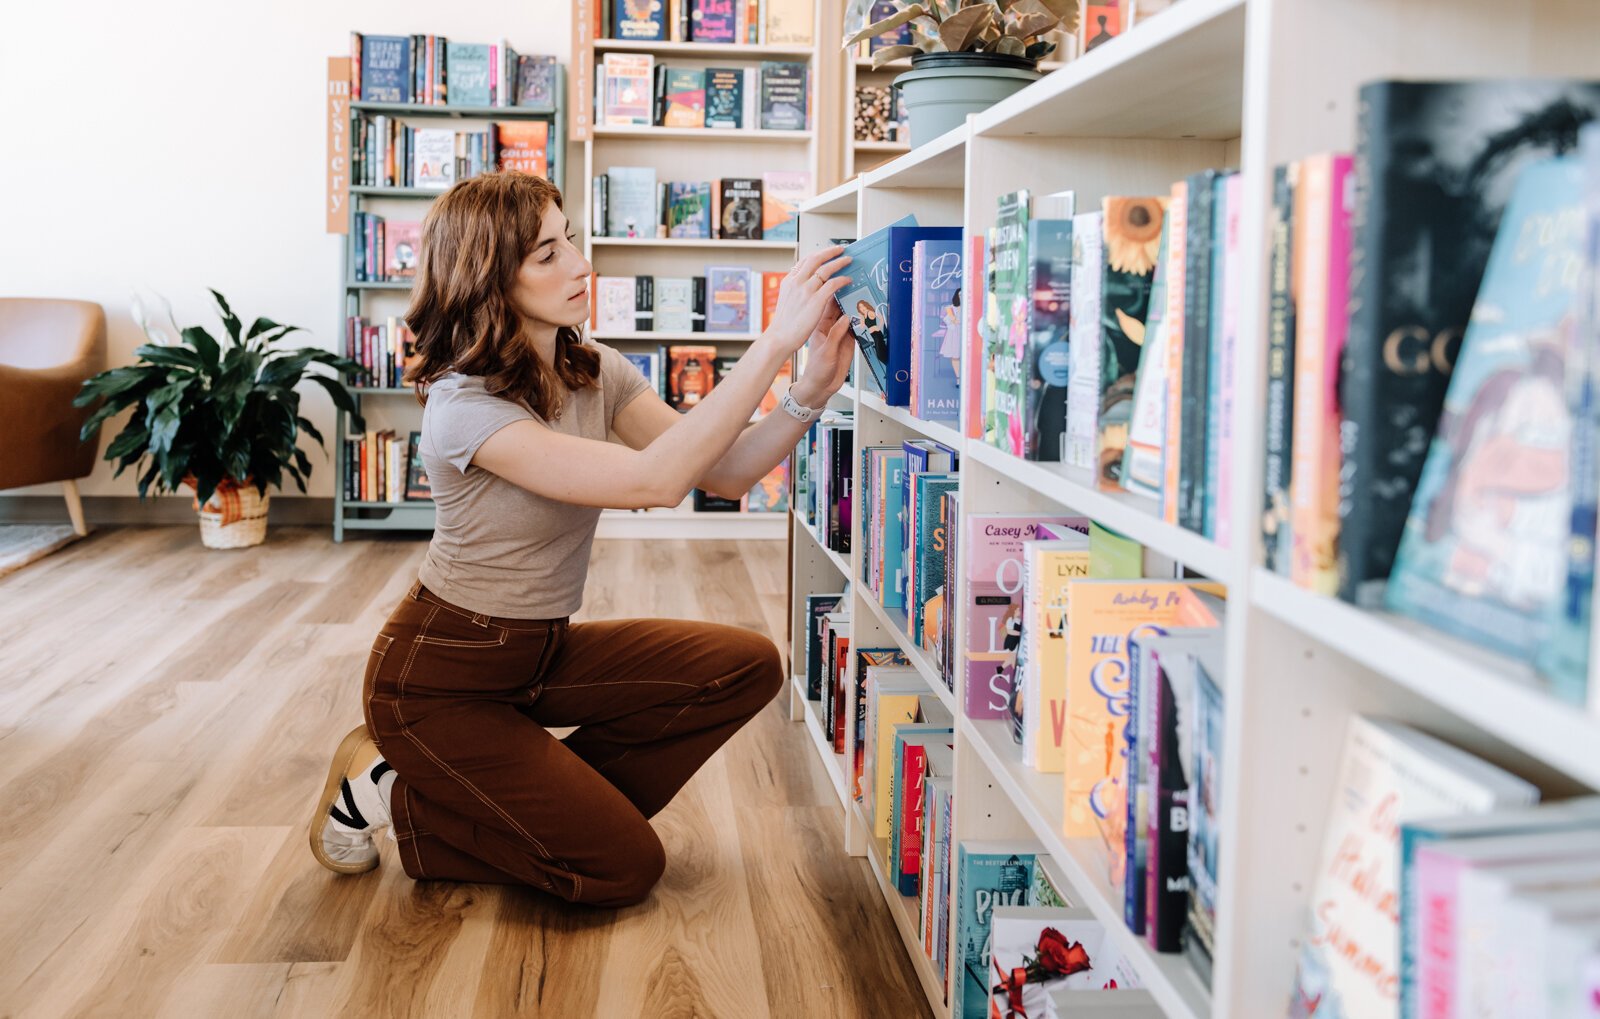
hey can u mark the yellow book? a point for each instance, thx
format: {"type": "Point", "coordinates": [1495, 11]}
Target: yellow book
{"type": "Point", "coordinates": [1048, 567]}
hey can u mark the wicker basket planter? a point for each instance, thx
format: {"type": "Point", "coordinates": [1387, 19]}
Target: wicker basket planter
{"type": "Point", "coordinates": [234, 517]}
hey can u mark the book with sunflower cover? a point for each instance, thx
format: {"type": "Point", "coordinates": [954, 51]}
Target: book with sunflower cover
{"type": "Point", "coordinates": [1132, 244]}
{"type": "Point", "coordinates": [1006, 321]}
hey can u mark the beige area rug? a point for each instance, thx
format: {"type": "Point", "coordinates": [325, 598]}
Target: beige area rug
{"type": "Point", "coordinates": [21, 544]}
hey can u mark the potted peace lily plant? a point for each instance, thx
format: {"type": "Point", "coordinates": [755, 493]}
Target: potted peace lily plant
{"type": "Point", "coordinates": [966, 55]}
{"type": "Point", "coordinates": [223, 419]}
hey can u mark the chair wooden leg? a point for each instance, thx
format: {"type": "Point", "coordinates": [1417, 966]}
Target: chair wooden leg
{"type": "Point", "coordinates": [75, 507]}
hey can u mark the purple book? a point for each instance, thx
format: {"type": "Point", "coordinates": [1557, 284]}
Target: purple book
{"type": "Point", "coordinates": [994, 603]}
{"type": "Point", "coordinates": [711, 21]}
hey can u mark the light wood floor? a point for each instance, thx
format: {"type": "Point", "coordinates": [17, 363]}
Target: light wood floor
{"type": "Point", "coordinates": [166, 713]}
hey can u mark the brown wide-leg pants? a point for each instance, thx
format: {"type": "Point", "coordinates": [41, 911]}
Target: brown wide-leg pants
{"type": "Point", "coordinates": [457, 701]}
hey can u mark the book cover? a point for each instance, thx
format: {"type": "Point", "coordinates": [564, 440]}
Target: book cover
{"type": "Point", "coordinates": [1389, 774]}
{"type": "Point", "coordinates": [644, 302]}
{"type": "Point", "coordinates": [685, 97]}
{"type": "Point", "coordinates": [928, 547]}
{"type": "Point", "coordinates": [1132, 229]}
{"type": "Point", "coordinates": [614, 305]}
{"type": "Point", "coordinates": [911, 751]}
{"type": "Point", "coordinates": [1435, 165]}
{"type": "Point", "coordinates": [673, 295]}
{"type": "Point", "coordinates": [1175, 260]}
{"type": "Point", "coordinates": [690, 374]}
{"type": "Point", "coordinates": [433, 159]}
{"type": "Point", "coordinates": [1047, 567]}
{"type": "Point", "coordinates": [936, 329]}
{"type": "Point", "coordinates": [1321, 254]}
{"type": "Point", "coordinates": [728, 304]}
{"type": "Point", "coordinates": [536, 80]}
{"type": "Point", "coordinates": [739, 209]}
{"type": "Point", "coordinates": [724, 97]}
{"type": "Point", "coordinates": [1084, 341]}
{"type": "Point", "coordinates": [782, 192]}
{"type": "Point", "coordinates": [771, 287]}
{"type": "Point", "coordinates": [631, 201]}
{"type": "Point", "coordinates": [1047, 366]}
{"type": "Point", "coordinates": [1101, 22]}
{"type": "Point", "coordinates": [1484, 551]}
{"type": "Point", "coordinates": [898, 701]}
{"type": "Point", "coordinates": [689, 209]}
{"type": "Point", "coordinates": [385, 69]}
{"type": "Point", "coordinates": [524, 146]}
{"type": "Point", "coordinates": [1006, 324]}
{"type": "Point", "coordinates": [638, 19]}
{"type": "Point", "coordinates": [817, 606]}
{"type": "Point", "coordinates": [1101, 614]}
{"type": "Point", "coordinates": [865, 301]}
{"type": "Point", "coordinates": [417, 485]}
{"type": "Point", "coordinates": [987, 875]}
{"type": "Point", "coordinates": [783, 96]}
{"type": "Point", "coordinates": [467, 69]}
{"type": "Point", "coordinates": [974, 300]}
{"type": "Point", "coordinates": [994, 545]}
{"type": "Point", "coordinates": [1205, 798]}
{"type": "Point", "coordinates": [1276, 542]}
{"type": "Point", "coordinates": [629, 88]}
{"type": "Point", "coordinates": [711, 20]}
{"type": "Point", "coordinates": [788, 22]}
{"type": "Point", "coordinates": [402, 242]}
{"type": "Point", "coordinates": [1197, 340]}
{"type": "Point", "coordinates": [897, 374]}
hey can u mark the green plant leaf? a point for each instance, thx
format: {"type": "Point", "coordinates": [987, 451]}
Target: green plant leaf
{"type": "Point", "coordinates": [311, 430]}
{"type": "Point", "coordinates": [889, 24]}
{"type": "Point", "coordinates": [133, 439]}
{"type": "Point", "coordinates": [116, 382]}
{"type": "Point", "coordinates": [261, 325]}
{"type": "Point", "coordinates": [341, 399]}
{"type": "Point", "coordinates": [961, 31]}
{"type": "Point", "coordinates": [209, 352]}
{"type": "Point", "coordinates": [889, 54]}
{"type": "Point", "coordinates": [171, 357]}
{"type": "Point", "coordinates": [229, 319]}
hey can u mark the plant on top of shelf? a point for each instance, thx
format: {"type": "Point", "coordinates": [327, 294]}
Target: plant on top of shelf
{"type": "Point", "coordinates": [224, 420]}
{"type": "Point", "coordinates": [966, 55]}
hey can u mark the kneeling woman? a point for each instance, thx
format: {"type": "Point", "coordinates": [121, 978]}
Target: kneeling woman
{"type": "Point", "coordinates": [479, 657]}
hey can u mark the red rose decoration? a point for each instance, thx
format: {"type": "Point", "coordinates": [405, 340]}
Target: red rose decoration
{"type": "Point", "coordinates": [1058, 957]}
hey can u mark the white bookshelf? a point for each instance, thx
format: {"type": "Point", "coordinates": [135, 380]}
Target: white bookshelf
{"type": "Point", "coordinates": [685, 154]}
{"type": "Point", "coordinates": [1206, 83]}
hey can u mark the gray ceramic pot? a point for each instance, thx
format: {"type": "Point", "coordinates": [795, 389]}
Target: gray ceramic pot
{"type": "Point", "coordinates": [942, 88]}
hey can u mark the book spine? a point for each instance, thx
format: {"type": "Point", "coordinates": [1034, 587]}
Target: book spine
{"type": "Point", "coordinates": [1167, 875]}
{"type": "Point", "coordinates": [1196, 354]}
{"type": "Point", "coordinates": [1173, 322]}
{"type": "Point", "coordinates": [1133, 869]}
{"type": "Point", "coordinates": [911, 810]}
{"type": "Point", "coordinates": [1275, 513]}
{"type": "Point", "coordinates": [1232, 279]}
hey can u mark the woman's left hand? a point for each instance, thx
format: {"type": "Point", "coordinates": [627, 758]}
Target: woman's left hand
{"type": "Point", "coordinates": [832, 346]}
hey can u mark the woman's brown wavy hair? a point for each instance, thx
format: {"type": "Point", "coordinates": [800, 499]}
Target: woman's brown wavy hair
{"type": "Point", "coordinates": [474, 239]}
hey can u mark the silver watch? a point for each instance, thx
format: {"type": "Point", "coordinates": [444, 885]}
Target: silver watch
{"type": "Point", "coordinates": [795, 410]}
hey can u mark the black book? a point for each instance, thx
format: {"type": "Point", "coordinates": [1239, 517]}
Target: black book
{"type": "Point", "coordinates": [783, 96]}
{"type": "Point", "coordinates": [658, 112]}
{"type": "Point", "coordinates": [1434, 166]}
{"type": "Point", "coordinates": [644, 302]}
{"type": "Point", "coordinates": [724, 96]}
{"type": "Point", "coordinates": [1275, 508]}
{"type": "Point", "coordinates": [1196, 352]}
{"type": "Point", "coordinates": [817, 606]}
{"type": "Point", "coordinates": [739, 209]}
{"type": "Point", "coordinates": [697, 306]}
{"type": "Point", "coordinates": [417, 485]}
{"type": "Point", "coordinates": [1170, 905]}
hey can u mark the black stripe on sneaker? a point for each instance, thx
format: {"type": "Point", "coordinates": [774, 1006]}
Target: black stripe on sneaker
{"type": "Point", "coordinates": [380, 769]}
{"type": "Point", "coordinates": [350, 801]}
{"type": "Point", "coordinates": [340, 816]}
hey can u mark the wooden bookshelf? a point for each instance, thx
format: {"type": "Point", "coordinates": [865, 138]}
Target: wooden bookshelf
{"type": "Point", "coordinates": [1205, 83]}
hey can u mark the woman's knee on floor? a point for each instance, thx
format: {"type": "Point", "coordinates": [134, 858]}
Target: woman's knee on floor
{"type": "Point", "coordinates": [631, 868]}
{"type": "Point", "coordinates": [760, 664]}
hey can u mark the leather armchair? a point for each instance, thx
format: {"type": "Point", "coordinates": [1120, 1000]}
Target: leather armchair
{"type": "Point", "coordinates": [47, 349]}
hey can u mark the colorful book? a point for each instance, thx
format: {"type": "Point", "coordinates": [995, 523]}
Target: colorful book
{"type": "Point", "coordinates": [1276, 528]}
{"type": "Point", "coordinates": [724, 97]}
{"type": "Point", "coordinates": [1204, 819]}
{"type": "Point", "coordinates": [784, 88]}
{"type": "Point", "coordinates": [629, 88]}
{"type": "Point", "coordinates": [433, 164]}
{"type": "Point", "coordinates": [402, 244]}
{"type": "Point", "coordinates": [417, 484]}
{"type": "Point", "coordinates": [782, 192]}
{"type": "Point", "coordinates": [524, 146]}
{"type": "Point", "coordinates": [689, 209]}
{"type": "Point", "coordinates": [728, 308]}
{"type": "Point", "coordinates": [974, 303]}
{"type": "Point", "coordinates": [1006, 323]}
{"type": "Point", "coordinates": [386, 69]}
{"type": "Point", "coordinates": [1484, 551]}
{"type": "Point", "coordinates": [897, 391]}
{"type": "Point", "coordinates": [637, 19]}
{"type": "Point", "coordinates": [1084, 341]}
{"type": "Point", "coordinates": [711, 20]}
{"type": "Point", "coordinates": [936, 330]}
{"type": "Point", "coordinates": [988, 875]}
{"type": "Point", "coordinates": [1421, 240]}
{"type": "Point", "coordinates": [1322, 249]}
{"type": "Point", "coordinates": [690, 374]}
{"type": "Point", "coordinates": [865, 301]}
{"type": "Point", "coordinates": [536, 80]}
{"type": "Point", "coordinates": [684, 97]}
{"type": "Point", "coordinates": [928, 547]}
{"type": "Point", "coordinates": [1047, 362]}
{"type": "Point", "coordinates": [739, 209]}
{"type": "Point", "coordinates": [631, 201]}
{"type": "Point", "coordinates": [1389, 775]}
{"type": "Point", "coordinates": [467, 69]}
{"type": "Point", "coordinates": [1048, 567]}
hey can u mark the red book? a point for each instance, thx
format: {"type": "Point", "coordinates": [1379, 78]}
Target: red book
{"type": "Point", "coordinates": [770, 281]}
{"type": "Point", "coordinates": [843, 662]}
{"type": "Point", "coordinates": [913, 768]}
{"type": "Point", "coordinates": [524, 145]}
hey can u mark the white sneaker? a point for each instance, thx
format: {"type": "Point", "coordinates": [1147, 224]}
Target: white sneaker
{"type": "Point", "coordinates": [353, 807]}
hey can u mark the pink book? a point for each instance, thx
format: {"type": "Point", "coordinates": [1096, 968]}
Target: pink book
{"type": "Point", "coordinates": [994, 604]}
{"type": "Point", "coordinates": [1231, 281]}
{"type": "Point", "coordinates": [1437, 876]}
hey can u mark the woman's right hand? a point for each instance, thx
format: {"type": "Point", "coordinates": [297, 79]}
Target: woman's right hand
{"type": "Point", "coordinates": [804, 296]}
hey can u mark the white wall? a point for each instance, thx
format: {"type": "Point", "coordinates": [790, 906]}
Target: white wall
{"type": "Point", "coordinates": [172, 145]}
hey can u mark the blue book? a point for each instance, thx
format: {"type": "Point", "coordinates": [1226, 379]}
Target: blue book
{"type": "Point", "coordinates": [894, 548]}
{"type": "Point", "coordinates": [1047, 364]}
{"type": "Point", "coordinates": [635, 19]}
{"type": "Point", "coordinates": [987, 874]}
{"type": "Point", "coordinates": [1214, 409]}
{"type": "Point", "coordinates": [467, 70]}
{"type": "Point", "coordinates": [936, 323]}
{"type": "Point", "coordinates": [930, 540]}
{"type": "Point", "coordinates": [728, 292]}
{"type": "Point", "coordinates": [385, 69]}
{"type": "Point", "coordinates": [865, 302]}
{"type": "Point", "coordinates": [901, 241]}
{"type": "Point", "coordinates": [1484, 549]}
{"type": "Point", "coordinates": [923, 456]}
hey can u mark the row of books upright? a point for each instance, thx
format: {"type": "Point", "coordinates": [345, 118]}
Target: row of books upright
{"type": "Point", "coordinates": [761, 22]}
{"type": "Point", "coordinates": [384, 250]}
{"type": "Point", "coordinates": [430, 70]}
{"type": "Point", "coordinates": [380, 466]}
{"type": "Point", "coordinates": [385, 349]}
{"type": "Point", "coordinates": [1431, 419]}
{"type": "Point", "coordinates": [628, 201]}
{"type": "Point", "coordinates": [632, 90]}
{"type": "Point", "coordinates": [728, 299]}
{"type": "Point", "coordinates": [386, 152]}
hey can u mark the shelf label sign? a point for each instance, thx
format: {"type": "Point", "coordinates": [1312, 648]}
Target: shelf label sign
{"type": "Point", "coordinates": [581, 116]}
{"type": "Point", "coordinates": [338, 145]}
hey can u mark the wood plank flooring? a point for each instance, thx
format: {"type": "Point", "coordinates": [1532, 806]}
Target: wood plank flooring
{"type": "Point", "coordinates": [166, 713]}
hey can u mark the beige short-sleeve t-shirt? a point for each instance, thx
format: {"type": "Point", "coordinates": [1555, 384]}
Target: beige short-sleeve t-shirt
{"type": "Point", "coordinates": [498, 548]}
